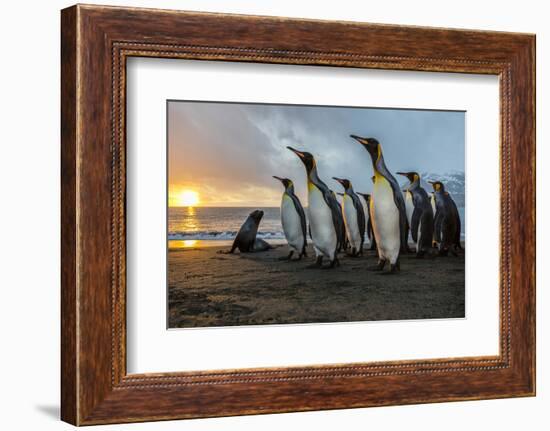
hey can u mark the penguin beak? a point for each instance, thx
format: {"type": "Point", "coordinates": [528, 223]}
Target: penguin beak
{"type": "Point", "coordinates": [278, 178]}
{"type": "Point", "coordinates": [405, 174]}
{"type": "Point", "coordinates": [359, 139]}
{"type": "Point", "coordinates": [368, 144]}
{"type": "Point", "coordinates": [340, 180]}
{"type": "Point", "coordinates": [298, 153]}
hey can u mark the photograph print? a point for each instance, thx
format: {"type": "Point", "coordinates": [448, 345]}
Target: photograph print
{"type": "Point", "coordinates": [295, 214]}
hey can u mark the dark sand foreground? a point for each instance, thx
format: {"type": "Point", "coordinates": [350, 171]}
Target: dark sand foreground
{"type": "Point", "coordinates": [211, 289]}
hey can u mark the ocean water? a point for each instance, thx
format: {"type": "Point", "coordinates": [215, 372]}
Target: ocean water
{"type": "Point", "coordinates": [194, 226]}
{"type": "Point", "coordinates": [220, 223]}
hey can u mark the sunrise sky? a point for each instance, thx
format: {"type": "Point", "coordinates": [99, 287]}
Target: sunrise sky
{"type": "Point", "coordinates": [225, 154]}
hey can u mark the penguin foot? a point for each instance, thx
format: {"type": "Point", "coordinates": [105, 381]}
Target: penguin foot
{"type": "Point", "coordinates": [333, 263]}
{"type": "Point", "coordinates": [287, 258]}
{"type": "Point", "coordinates": [394, 269]}
{"type": "Point", "coordinates": [430, 253]}
{"type": "Point", "coordinates": [379, 266]}
{"type": "Point", "coordinates": [318, 263]}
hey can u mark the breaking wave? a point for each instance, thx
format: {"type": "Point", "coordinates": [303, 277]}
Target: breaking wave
{"type": "Point", "coordinates": [220, 235]}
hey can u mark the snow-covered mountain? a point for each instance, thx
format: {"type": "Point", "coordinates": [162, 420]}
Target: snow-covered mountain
{"type": "Point", "coordinates": [454, 183]}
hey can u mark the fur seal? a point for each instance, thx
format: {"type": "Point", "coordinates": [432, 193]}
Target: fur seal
{"type": "Point", "coordinates": [246, 240]}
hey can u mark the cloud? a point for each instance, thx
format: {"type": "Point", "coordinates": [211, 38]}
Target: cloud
{"type": "Point", "coordinates": [229, 152]}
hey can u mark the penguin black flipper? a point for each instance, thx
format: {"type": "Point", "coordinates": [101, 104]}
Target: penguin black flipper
{"type": "Point", "coordinates": [426, 232]}
{"type": "Point", "coordinates": [302, 214]}
{"type": "Point", "coordinates": [360, 216]}
{"type": "Point", "coordinates": [400, 204]}
{"type": "Point", "coordinates": [369, 229]}
{"type": "Point", "coordinates": [415, 221]}
{"type": "Point", "coordinates": [458, 230]}
{"type": "Point", "coordinates": [337, 218]}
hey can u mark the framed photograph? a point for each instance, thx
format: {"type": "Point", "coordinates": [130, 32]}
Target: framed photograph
{"type": "Point", "coordinates": [220, 156]}
{"type": "Point", "coordinates": [317, 215]}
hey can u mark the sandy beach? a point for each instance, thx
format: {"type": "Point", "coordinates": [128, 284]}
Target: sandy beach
{"type": "Point", "coordinates": [206, 288]}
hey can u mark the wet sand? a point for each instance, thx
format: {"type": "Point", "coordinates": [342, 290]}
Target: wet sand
{"type": "Point", "coordinates": [207, 288]}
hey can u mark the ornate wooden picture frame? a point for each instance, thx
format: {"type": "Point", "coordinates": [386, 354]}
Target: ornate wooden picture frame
{"type": "Point", "coordinates": [96, 41]}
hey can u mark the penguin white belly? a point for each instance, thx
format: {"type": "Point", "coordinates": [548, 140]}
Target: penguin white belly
{"type": "Point", "coordinates": [292, 225]}
{"type": "Point", "coordinates": [350, 221]}
{"type": "Point", "coordinates": [409, 206]}
{"type": "Point", "coordinates": [385, 221]}
{"type": "Point", "coordinates": [320, 220]}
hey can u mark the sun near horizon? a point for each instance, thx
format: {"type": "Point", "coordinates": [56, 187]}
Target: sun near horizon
{"type": "Point", "coordinates": [187, 198]}
{"type": "Point", "coordinates": [195, 196]}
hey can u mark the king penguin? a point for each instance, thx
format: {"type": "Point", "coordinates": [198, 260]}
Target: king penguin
{"type": "Point", "coordinates": [388, 214]}
{"type": "Point", "coordinates": [422, 217]}
{"type": "Point", "coordinates": [325, 216]}
{"type": "Point", "coordinates": [354, 217]}
{"type": "Point", "coordinates": [447, 224]}
{"type": "Point", "coordinates": [370, 232]}
{"type": "Point", "coordinates": [293, 219]}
